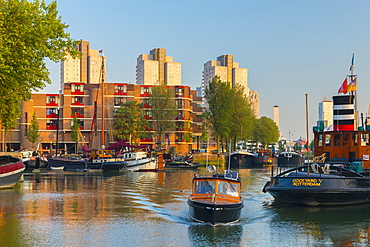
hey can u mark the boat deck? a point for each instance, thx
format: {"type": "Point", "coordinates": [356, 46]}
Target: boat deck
{"type": "Point", "coordinates": [216, 200]}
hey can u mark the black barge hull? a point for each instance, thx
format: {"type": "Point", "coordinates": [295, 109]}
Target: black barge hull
{"type": "Point", "coordinates": [316, 190]}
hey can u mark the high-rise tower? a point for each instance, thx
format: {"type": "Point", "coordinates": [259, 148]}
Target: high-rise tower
{"type": "Point", "coordinates": [86, 69]}
{"type": "Point", "coordinates": [156, 67]}
{"type": "Point", "coordinates": [229, 71]}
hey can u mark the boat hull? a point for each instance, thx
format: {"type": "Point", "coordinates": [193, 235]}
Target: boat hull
{"type": "Point", "coordinates": [320, 190]}
{"type": "Point", "coordinates": [11, 170]}
{"type": "Point", "coordinates": [181, 165]}
{"type": "Point", "coordinates": [83, 164]}
{"type": "Point", "coordinates": [142, 165]}
{"type": "Point", "coordinates": [214, 213]}
{"type": "Point", "coordinates": [242, 160]}
{"type": "Point", "coordinates": [290, 161]}
{"type": "Point", "coordinates": [37, 163]}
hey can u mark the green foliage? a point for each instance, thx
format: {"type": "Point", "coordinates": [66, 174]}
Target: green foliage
{"type": "Point", "coordinates": [33, 130]}
{"type": "Point", "coordinates": [265, 131]}
{"type": "Point", "coordinates": [75, 128]}
{"type": "Point", "coordinates": [29, 33]}
{"type": "Point", "coordinates": [282, 144]}
{"type": "Point", "coordinates": [129, 121]}
{"type": "Point", "coordinates": [297, 147]}
{"type": "Point", "coordinates": [229, 114]}
{"type": "Point", "coordinates": [163, 111]}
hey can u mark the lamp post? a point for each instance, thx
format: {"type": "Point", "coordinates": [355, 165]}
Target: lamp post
{"type": "Point", "coordinates": [57, 125]}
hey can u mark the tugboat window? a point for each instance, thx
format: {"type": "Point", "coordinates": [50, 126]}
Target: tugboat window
{"type": "Point", "coordinates": [327, 140]}
{"type": "Point", "coordinates": [337, 140]}
{"type": "Point", "coordinates": [345, 140]}
{"type": "Point", "coordinates": [354, 139]}
{"type": "Point", "coordinates": [320, 141]}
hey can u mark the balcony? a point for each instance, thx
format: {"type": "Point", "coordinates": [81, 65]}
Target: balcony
{"type": "Point", "coordinates": [120, 92]}
{"type": "Point", "coordinates": [51, 127]}
{"type": "Point", "coordinates": [78, 103]}
{"type": "Point", "coordinates": [79, 115]}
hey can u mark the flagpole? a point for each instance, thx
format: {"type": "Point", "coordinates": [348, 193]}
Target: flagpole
{"type": "Point", "coordinates": [354, 93]}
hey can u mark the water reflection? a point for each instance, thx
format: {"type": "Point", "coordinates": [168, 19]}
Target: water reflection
{"type": "Point", "coordinates": [150, 209]}
{"type": "Point", "coordinates": [10, 233]}
{"type": "Point", "coordinates": [222, 235]}
{"type": "Point", "coordinates": [340, 226]}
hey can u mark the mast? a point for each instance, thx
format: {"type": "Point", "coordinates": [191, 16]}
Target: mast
{"type": "Point", "coordinates": [353, 79]}
{"type": "Point", "coordinates": [308, 159]}
{"type": "Point", "coordinates": [102, 103]}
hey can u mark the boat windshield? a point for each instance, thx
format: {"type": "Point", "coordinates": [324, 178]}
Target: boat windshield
{"type": "Point", "coordinates": [227, 188]}
{"type": "Point", "coordinates": [205, 187]}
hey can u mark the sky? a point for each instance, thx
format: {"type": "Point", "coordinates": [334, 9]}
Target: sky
{"type": "Point", "coordinates": [291, 48]}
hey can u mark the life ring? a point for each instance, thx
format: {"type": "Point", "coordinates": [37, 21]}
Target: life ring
{"type": "Point", "coordinates": [33, 158]}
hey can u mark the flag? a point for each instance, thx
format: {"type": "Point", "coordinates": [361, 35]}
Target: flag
{"type": "Point", "coordinates": [352, 86]}
{"type": "Point", "coordinates": [352, 63]}
{"type": "Point", "coordinates": [343, 88]}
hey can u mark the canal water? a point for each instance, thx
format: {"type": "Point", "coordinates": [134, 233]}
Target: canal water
{"type": "Point", "coordinates": [150, 209]}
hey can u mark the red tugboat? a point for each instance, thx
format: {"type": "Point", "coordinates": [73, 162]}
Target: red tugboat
{"type": "Point", "coordinates": [336, 175]}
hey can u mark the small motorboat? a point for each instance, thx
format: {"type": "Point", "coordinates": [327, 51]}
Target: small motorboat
{"type": "Point", "coordinates": [327, 183]}
{"type": "Point", "coordinates": [11, 170]}
{"type": "Point", "coordinates": [172, 162]}
{"type": "Point", "coordinates": [215, 198]}
{"type": "Point", "coordinates": [181, 165]}
{"type": "Point", "coordinates": [57, 168]}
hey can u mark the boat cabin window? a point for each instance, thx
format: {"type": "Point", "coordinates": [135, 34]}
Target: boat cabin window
{"type": "Point", "coordinates": [365, 140]}
{"type": "Point", "coordinates": [354, 140]}
{"type": "Point", "coordinates": [336, 140]}
{"type": "Point", "coordinates": [227, 188]}
{"type": "Point", "coordinates": [205, 187]}
{"type": "Point", "coordinates": [319, 141]}
{"type": "Point", "coordinates": [327, 140]}
{"type": "Point", "coordinates": [345, 140]}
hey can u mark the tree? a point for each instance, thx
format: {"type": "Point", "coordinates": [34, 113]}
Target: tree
{"type": "Point", "coordinates": [242, 117]}
{"type": "Point", "coordinates": [219, 110]}
{"type": "Point", "coordinates": [228, 114]}
{"type": "Point", "coordinates": [75, 131]}
{"type": "Point", "coordinates": [29, 33]}
{"type": "Point", "coordinates": [75, 128]}
{"type": "Point", "coordinates": [265, 131]}
{"type": "Point", "coordinates": [33, 130]}
{"type": "Point", "coordinates": [129, 122]}
{"type": "Point", "coordinates": [163, 111]}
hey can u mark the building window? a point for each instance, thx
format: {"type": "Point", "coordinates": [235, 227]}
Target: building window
{"type": "Point", "coordinates": [179, 91]}
{"type": "Point", "coordinates": [145, 102]}
{"type": "Point", "coordinates": [179, 103]}
{"type": "Point", "coordinates": [51, 124]}
{"type": "Point", "coordinates": [77, 100]}
{"type": "Point", "coordinates": [120, 89]}
{"type": "Point", "coordinates": [145, 91]}
{"type": "Point", "coordinates": [180, 115]}
{"type": "Point", "coordinates": [52, 112]}
{"type": "Point", "coordinates": [52, 99]}
{"type": "Point", "coordinates": [119, 101]}
{"type": "Point", "coordinates": [77, 88]}
{"type": "Point", "coordinates": [81, 123]}
{"type": "Point", "coordinates": [147, 114]}
{"type": "Point", "coordinates": [79, 112]}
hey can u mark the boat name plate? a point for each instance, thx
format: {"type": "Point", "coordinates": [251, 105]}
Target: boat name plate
{"type": "Point", "coordinates": [306, 182]}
